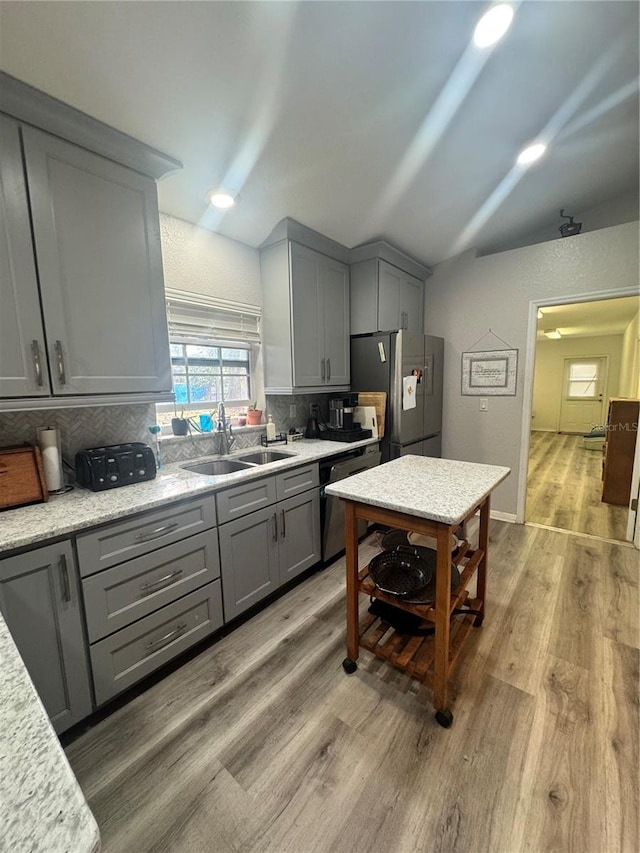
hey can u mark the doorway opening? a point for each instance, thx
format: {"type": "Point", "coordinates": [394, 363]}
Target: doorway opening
{"type": "Point", "coordinates": [586, 355]}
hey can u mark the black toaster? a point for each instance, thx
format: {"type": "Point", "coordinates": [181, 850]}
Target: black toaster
{"type": "Point", "coordinates": [100, 468]}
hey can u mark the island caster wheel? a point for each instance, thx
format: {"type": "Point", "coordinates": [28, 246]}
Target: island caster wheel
{"type": "Point", "coordinates": [477, 622]}
{"type": "Point", "coordinates": [445, 718]}
{"type": "Point", "coordinates": [349, 666]}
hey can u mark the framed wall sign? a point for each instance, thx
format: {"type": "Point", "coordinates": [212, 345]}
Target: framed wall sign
{"type": "Point", "coordinates": [490, 373]}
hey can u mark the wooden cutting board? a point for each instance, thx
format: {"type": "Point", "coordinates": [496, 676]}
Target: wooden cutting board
{"type": "Point", "coordinates": [377, 399]}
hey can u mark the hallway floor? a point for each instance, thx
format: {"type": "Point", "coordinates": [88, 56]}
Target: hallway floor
{"type": "Point", "coordinates": [564, 487]}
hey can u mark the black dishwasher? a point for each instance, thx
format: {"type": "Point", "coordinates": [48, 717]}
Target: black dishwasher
{"type": "Point", "coordinates": [331, 512]}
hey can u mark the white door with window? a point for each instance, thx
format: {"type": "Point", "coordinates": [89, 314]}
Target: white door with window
{"type": "Point", "coordinates": [583, 394]}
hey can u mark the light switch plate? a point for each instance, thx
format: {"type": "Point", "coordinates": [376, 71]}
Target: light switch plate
{"type": "Point", "coordinates": [293, 410]}
{"type": "Point", "coordinates": [484, 404]}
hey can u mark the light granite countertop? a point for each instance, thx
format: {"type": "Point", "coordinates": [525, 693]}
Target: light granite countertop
{"type": "Point", "coordinates": [438, 489]}
{"type": "Point", "coordinates": [43, 808]}
{"type": "Point", "coordinates": [82, 509]}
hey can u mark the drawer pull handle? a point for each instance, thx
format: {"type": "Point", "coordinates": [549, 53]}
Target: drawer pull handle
{"type": "Point", "coordinates": [284, 527]}
{"type": "Point", "coordinates": [37, 365]}
{"type": "Point", "coordinates": [64, 578]}
{"type": "Point", "coordinates": [60, 357]}
{"type": "Point", "coordinates": [161, 642]}
{"type": "Point", "coordinates": [328, 370]}
{"type": "Point", "coordinates": [148, 588]}
{"type": "Point", "coordinates": [322, 372]}
{"type": "Point", "coordinates": [159, 531]}
{"type": "Point", "coordinates": [275, 527]}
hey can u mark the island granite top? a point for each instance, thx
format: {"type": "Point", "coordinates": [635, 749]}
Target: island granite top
{"type": "Point", "coordinates": [444, 490]}
{"type": "Point", "coordinates": [81, 509]}
{"type": "Point", "coordinates": [43, 808]}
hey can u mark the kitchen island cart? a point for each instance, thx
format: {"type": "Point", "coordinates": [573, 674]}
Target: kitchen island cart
{"type": "Point", "coordinates": [431, 497]}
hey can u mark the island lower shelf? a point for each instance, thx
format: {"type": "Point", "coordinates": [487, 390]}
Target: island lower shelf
{"type": "Point", "coordinates": [415, 654]}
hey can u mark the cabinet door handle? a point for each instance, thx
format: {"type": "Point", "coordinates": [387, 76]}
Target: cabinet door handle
{"type": "Point", "coordinates": [60, 358]}
{"type": "Point", "coordinates": [328, 370]}
{"type": "Point", "coordinates": [148, 588]}
{"type": "Point", "coordinates": [161, 642]}
{"type": "Point", "coordinates": [159, 531]}
{"type": "Point", "coordinates": [37, 364]}
{"type": "Point", "coordinates": [275, 527]}
{"type": "Point", "coordinates": [284, 526]}
{"type": "Point", "coordinates": [64, 578]}
{"type": "Point", "coordinates": [322, 371]}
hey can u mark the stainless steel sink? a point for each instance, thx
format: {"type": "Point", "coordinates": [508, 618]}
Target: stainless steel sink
{"type": "Point", "coordinates": [217, 467]}
{"type": "Point", "coordinates": [263, 457]}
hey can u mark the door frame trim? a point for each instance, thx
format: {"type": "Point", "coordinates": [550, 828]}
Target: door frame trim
{"type": "Point", "coordinates": [530, 353]}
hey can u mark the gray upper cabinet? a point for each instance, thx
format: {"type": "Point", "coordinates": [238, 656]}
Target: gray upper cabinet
{"type": "Point", "coordinates": [82, 309]}
{"type": "Point", "coordinates": [305, 316]}
{"type": "Point", "coordinates": [23, 360]}
{"type": "Point", "coordinates": [387, 290]}
{"type": "Point", "coordinates": [97, 241]}
{"type": "Point", "coordinates": [40, 602]}
{"type": "Point", "coordinates": [400, 300]}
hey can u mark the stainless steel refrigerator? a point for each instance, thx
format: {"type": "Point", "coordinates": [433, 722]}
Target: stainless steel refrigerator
{"type": "Point", "coordinates": [379, 362]}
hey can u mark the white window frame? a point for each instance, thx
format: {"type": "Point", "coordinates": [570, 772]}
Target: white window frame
{"type": "Point", "coordinates": [210, 405]}
{"type": "Point", "coordinates": [204, 320]}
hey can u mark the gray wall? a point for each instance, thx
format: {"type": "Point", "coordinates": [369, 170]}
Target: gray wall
{"type": "Point", "coordinates": [468, 295]}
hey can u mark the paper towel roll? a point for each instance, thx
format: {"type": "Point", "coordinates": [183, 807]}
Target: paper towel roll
{"type": "Point", "coordinates": [49, 441]}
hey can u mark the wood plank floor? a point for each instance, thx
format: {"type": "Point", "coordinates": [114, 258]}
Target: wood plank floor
{"type": "Point", "coordinates": [564, 487]}
{"type": "Point", "coordinates": [261, 742]}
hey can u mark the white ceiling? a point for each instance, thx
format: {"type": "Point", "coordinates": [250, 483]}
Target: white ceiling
{"type": "Point", "coordinates": [588, 319]}
{"type": "Point", "coordinates": [363, 120]}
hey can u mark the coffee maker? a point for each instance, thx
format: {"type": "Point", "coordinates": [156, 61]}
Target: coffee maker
{"type": "Point", "coordinates": [341, 412]}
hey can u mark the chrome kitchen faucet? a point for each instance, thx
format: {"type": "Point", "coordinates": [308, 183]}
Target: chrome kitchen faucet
{"type": "Point", "coordinates": [227, 439]}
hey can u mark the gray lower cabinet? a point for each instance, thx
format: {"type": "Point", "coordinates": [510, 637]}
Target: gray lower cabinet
{"type": "Point", "coordinates": [120, 595]}
{"type": "Point", "coordinates": [124, 658]}
{"type": "Point", "coordinates": [299, 542]}
{"type": "Point", "coordinates": [263, 550]}
{"type": "Point", "coordinates": [249, 560]}
{"type": "Point", "coordinates": [151, 587]}
{"type": "Point", "coordinates": [40, 602]}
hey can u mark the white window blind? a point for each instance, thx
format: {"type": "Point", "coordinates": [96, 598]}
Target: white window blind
{"type": "Point", "coordinates": [195, 317]}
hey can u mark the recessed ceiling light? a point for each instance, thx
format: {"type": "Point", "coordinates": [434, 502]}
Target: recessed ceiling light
{"type": "Point", "coordinates": [554, 334]}
{"type": "Point", "coordinates": [493, 25]}
{"type": "Point", "coordinates": [531, 153]}
{"type": "Point", "coordinates": [222, 199]}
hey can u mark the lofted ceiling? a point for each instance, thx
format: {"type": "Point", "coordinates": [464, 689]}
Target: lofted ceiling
{"type": "Point", "coordinates": [363, 120]}
{"type": "Point", "coordinates": [589, 319]}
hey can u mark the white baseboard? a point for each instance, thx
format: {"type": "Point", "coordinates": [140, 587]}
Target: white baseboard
{"type": "Point", "coordinates": [503, 516]}
{"type": "Point", "coordinates": [542, 429]}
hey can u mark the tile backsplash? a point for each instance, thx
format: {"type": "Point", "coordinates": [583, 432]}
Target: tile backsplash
{"type": "Point", "coordinates": [278, 406]}
{"type": "Point", "coordinates": [98, 425]}
{"type": "Point", "coordinates": [82, 427]}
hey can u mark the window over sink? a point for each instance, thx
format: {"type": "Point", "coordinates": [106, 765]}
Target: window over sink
{"type": "Point", "coordinates": [214, 346]}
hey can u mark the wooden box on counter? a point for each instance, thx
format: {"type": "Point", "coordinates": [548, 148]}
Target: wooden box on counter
{"type": "Point", "coordinates": [22, 478]}
{"type": "Point", "coordinates": [619, 450]}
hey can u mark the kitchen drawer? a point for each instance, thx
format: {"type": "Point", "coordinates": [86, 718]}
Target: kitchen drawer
{"type": "Point", "coordinates": [124, 540]}
{"type": "Point", "coordinates": [119, 596]}
{"type": "Point", "coordinates": [124, 658]}
{"type": "Point", "coordinates": [245, 498]}
{"type": "Point", "coordinates": [291, 483]}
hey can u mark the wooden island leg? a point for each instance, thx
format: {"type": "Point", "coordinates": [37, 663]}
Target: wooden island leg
{"type": "Point", "coordinates": [483, 544]}
{"type": "Point", "coordinates": [351, 543]}
{"type": "Point", "coordinates": [443, 624]}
